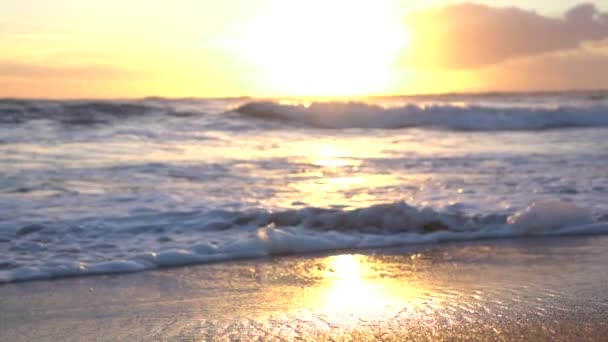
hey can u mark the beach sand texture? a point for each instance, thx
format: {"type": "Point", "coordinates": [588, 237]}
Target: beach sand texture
{"type": "Point", "coordinates": [532, 289]}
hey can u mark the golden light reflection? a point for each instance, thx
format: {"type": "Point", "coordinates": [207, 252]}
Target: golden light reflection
{"type": "Point", "coordinates": [333, 162]}
{"type": "Point", "coordinates": [353, 290]}
{"type": "Point", "coordinates": [329, 155]}
{"type": "Point", "coordinates": [336, 175]}
{"type": "Point", "coordinates": [355, 190]}
{"type": "Point", "coordinates": [325, 172]}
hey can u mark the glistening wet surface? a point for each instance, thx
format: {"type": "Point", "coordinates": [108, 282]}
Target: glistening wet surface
{"type": "Point", "coordinates": [131, 185]}
{"type": "Point", "coordinates": [533, 289]}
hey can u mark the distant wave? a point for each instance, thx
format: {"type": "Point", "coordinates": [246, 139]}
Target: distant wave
{"type": "Point", "coordinates": [83, 112]}
{"type": "Point", "coordinates": [342, 115]}
{"type": "Point", "coordinates": [328, 115]}
{"type": "Point", "coordinates": [175, 239]}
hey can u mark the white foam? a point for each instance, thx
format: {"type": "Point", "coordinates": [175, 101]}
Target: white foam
{"type": "Point", "coordinates": [547, 216]}
{"type": "Point", "coordinates": [315, 230]}
{"type": "Point", "coordinates": [472, 117]}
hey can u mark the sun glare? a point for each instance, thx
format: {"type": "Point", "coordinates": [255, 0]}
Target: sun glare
{"type": "Point", "coordinates": [325, 48]}
{"type": "Point", "coordinates": [352, 294]}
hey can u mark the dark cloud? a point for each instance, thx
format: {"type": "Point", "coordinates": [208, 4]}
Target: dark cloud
{"type": "Point", "coordinates": [472, 35]}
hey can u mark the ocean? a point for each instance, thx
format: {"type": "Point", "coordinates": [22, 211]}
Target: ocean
{"type": "Point", "coordinates": [92, 187]}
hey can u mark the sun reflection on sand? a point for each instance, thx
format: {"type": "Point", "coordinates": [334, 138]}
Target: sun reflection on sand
{"type": "Point", "coordinates": [354, 290]}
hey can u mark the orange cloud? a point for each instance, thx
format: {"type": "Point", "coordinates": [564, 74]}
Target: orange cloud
{"type": "Point", "coordinates": [473, 35]}
{"type": "Point", "coordinates": [564, 70]}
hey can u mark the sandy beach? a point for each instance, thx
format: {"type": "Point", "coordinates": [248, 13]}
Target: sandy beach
{"type": "Point", "coordinates": [521, 289]}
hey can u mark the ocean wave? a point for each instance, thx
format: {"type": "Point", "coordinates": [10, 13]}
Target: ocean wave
{"type": "Point", "coordinates": [163, 240]}
{"type": "Point", "coordinates": [343, 115]}
{"type": "Point", "coordinates": [326, 115]}
{"type": "Point", "coordinates": [82, 113]}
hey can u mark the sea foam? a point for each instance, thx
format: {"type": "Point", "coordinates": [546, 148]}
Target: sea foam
{"type": "Point", "coordinates": [262, 234]}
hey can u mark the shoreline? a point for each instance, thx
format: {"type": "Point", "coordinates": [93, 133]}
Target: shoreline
{"type": "Point", "coordinates": [541, 289]}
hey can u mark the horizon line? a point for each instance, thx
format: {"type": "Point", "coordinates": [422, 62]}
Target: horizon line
{"type": "Point", "coordinates": [326, 97]}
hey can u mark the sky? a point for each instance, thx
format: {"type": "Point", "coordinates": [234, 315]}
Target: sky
{"type": "Point", "coordinates": [204, 48]}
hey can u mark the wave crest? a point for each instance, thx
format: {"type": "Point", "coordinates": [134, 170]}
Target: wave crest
{"type": "Point", "coordinates": [343, 115]}
{"type": "Point", "coordinates": [136, 244]}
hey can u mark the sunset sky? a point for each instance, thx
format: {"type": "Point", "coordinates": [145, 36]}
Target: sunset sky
{"type": "Point", "coordinates": [111, 48]}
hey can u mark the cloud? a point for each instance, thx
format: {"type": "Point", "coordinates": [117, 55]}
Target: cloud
{"type": "Point", "coordinates": [473, 35]}
{"type": "Point", "coordinates": [564, 70]}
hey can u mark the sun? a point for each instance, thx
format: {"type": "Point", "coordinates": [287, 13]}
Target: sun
{"type": "Point", "coordinates": [325, 47]}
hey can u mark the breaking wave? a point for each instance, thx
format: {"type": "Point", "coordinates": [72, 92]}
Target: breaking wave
{"type": "Point", "coordinates": [175, 239]}
{"type": "Point", "coordinates": [342, 115]}
{"type": "Point", "coordinates": [327, 115]}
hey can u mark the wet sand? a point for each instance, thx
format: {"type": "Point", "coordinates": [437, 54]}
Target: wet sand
{"type": "Point", "coordinates": [523, 289]}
